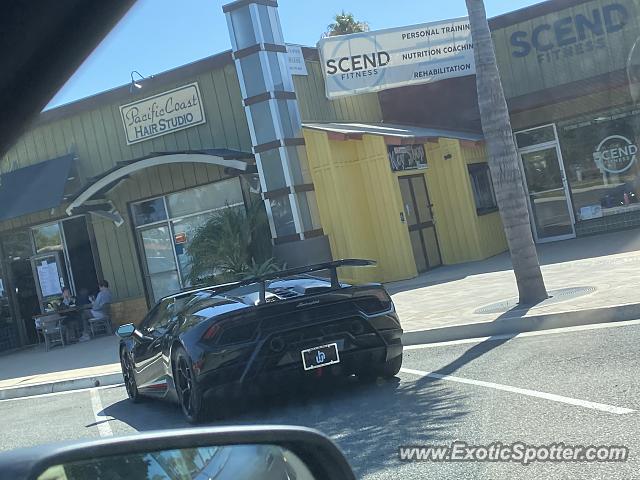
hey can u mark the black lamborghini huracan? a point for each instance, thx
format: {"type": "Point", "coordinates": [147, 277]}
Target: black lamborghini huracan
{"type": "Point", "coordinates": [288, 326]}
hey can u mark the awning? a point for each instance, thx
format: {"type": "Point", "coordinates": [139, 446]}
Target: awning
{"type": "Point", "coordinates": [391, 131]}
{"type": "Point", "coordinates": [91, 197]}
{"type": "Point", "coordinates": [34, 188]}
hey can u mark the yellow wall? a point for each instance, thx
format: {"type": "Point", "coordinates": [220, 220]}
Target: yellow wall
{"type": "Point", "coordinates": [491, 237]}
{"type": "Point", "coordinates": [354, 188]}
{"type": "Point", "coordinates": [359, 201]}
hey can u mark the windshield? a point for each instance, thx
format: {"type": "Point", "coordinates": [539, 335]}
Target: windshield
{"type": "Point", "coordinates": [482, 154]}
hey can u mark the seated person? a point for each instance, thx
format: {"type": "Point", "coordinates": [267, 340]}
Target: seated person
{"type": "Point", "coordinates": [66, 300]}
{"type": "Point", "coordinates": [98, 306]}
{"type": "Point", "coordinates": [71, 320]}
{"type": "Point", "coordinates": [83, 297]}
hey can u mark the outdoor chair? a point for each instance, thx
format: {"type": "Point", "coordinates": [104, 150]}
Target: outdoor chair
{"type": "Point", "coordinates": [53, 332]}
{"type": "Point", "coordinates": [101, 325]}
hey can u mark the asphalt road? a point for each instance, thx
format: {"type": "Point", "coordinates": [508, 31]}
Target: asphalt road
{"type": "Point", "coordinates": [497, 390]}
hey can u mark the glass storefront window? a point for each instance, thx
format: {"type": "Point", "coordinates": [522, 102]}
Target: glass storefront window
{"type": "Point", "coordinates": [207, 197]}
{"type": "Point", "coordinates": [183, 232]}
{"type": "Point", "coordinates": [17, 245]}
{"type": "Point", "coordinates": [482, 186]}
{"type": "Point", "coordinates": [158, 249]}
{"type": "Point", "coordinates": [601, 165]}
{"type": "Point", "coordinates": [47, 238]}
{"type": "Point", "coordinates": [149, 211]}
{"type": "Point", "coordinates": [535, 136]}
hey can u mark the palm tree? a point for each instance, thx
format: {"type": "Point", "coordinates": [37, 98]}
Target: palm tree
{"type": "Point", "coordinates": [503, 160]}
{"type": "Point", "coordinates": [344, 23]}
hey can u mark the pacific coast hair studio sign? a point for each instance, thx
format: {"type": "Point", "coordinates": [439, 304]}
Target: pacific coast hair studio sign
{"type": "Point", "coordinates": [163, 113]}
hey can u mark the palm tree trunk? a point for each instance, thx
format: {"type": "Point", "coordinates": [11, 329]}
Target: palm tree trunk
{"type": "Point", "coordinates": [503, 160]}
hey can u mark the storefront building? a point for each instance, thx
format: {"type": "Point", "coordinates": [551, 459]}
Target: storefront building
{"type": "Point", "coordinates": [115, 186]}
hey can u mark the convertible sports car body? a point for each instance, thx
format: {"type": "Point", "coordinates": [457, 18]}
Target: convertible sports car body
{"type": "Point", "coordinates": [282, 327]}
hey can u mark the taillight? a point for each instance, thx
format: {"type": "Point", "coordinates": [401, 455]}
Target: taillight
{"type": "Point", "coordinates": [211, 332]}
{"type": "Point", "coordinates": [381, 302]}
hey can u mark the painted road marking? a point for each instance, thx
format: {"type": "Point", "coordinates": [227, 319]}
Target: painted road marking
{"type": "Point", "coordinates": [65, 392]}
{"type": "Point", "coordinates": [578, 328]}
{"type": "Point", "coordinates": [523, 391]}
{"type": "Point", "coordinates": [102, 421]}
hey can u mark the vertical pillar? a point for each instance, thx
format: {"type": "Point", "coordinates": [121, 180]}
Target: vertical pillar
{"type": "Point", "coordinates": [270, 105]}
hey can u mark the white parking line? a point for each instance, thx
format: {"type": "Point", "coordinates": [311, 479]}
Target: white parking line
{"type": "Point", "coordinates": [551, 331]}
{"type": "Point", "coordinates": [102, 421]}
{"type": "Point", "coordinates": [523, 391]}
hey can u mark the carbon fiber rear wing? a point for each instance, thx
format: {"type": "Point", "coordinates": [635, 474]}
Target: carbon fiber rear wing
{"type": "Point", "coordinates": [261, 280]}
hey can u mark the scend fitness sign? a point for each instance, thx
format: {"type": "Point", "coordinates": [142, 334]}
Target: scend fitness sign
{"type": "Point", "coordinates": [163, 113]}
{"type": "Point", "coordinates": [395, 57]}
{"type": "Point", "coordinates": [570, 35]}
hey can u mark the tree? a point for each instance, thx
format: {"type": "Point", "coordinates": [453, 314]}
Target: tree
{"type": "Point", "coordinates": [233, 244]}
{"type": "Point", "coordinates": [344, 23]}
{"type": "Point", "coordinates": [503, 160]}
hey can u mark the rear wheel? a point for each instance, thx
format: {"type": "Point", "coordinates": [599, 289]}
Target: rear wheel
{"type": "Point", "coordinates": [387, 370]}
{"type": "Point", "coordinates": [128, 374]}
{"type": "Point", "coordinates": [187, 388]}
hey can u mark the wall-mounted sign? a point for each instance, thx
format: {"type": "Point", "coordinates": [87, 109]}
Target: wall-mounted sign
{"type": "Point", "coordinates": [295, 60]}
{"type": "Point", "coordinates": [395, 57]}
{"type": "Point", "coordinates": [163, 113]}
{"type": "Point", "coordinates": [615, 154]}
{"type": "Point", "coordinates": [582, 33]}
{"type": "Point", "coordinates": [573, 42]}
{"type": "Point", "coordinates": [179, 238]}
{"type": "Point", "coordinates": [406, 157]}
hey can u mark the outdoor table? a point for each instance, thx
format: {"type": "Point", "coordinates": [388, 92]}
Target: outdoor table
{"type": "Point", "coordinates": [57, 315]}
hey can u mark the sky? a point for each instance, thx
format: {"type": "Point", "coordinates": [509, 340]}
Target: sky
{"type": "Point", "coordinates": [158, 35]}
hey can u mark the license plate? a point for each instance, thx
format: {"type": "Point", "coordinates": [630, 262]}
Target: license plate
{"type": "Point", "coordinates": [321, 356]}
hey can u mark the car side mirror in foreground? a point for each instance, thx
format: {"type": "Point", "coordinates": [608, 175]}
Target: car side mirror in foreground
{"type": "Point", "coordinates": [225, 453]}
{"type": "Point", "coordinates": [125, 331]}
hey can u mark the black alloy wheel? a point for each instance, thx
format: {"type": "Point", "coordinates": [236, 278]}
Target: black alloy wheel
{"type": "Point", "coordinates": [129, 377]}
{"type": "Point", "coordinates": [187, 388]}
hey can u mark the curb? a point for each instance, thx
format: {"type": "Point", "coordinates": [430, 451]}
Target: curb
{"type": "Point", "coordinates": [61, 386]}
{"type": "Point", "coordinates": [516, 325]}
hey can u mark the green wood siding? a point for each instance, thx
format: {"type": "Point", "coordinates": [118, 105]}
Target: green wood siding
{"type": "Point", "coordinates": [315, 107]}
{"type": "Point", "coordinates": [529, 73]}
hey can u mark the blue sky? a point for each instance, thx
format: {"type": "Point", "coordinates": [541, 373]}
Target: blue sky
{"type": "Point", "coordinates": [159, 35]}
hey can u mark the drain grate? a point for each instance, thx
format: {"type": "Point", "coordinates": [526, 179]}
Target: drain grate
{"type": "Point", "coordinates": [555, 296]}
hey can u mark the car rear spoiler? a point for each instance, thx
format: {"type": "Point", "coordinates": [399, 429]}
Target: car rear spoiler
{"type": "Point", "coordinates": [332, 267]}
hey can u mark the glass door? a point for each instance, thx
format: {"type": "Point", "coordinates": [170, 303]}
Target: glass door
{"type": "Point", "coordinates": [419, 219]}
{"type": "Point", "coordinates": [548, 193]}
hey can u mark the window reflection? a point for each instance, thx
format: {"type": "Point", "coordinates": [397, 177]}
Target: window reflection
{"type": "Point", "coordinates": [47, 238]}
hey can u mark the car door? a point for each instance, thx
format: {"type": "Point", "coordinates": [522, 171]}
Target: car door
{"type": "Point", "coordinates": [147, 353]}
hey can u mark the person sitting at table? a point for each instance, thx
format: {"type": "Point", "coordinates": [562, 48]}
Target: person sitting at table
{"type": "Point", "coordinates": [71, 320]}
{"type": "Point", "coordinates": [98, 306]}
{"type": "Point", "coordinates": [66, 300]}
{"type": "Point", "coordinates": [83, 297]}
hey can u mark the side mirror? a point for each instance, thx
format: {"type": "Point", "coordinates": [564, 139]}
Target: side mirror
{"type": "Point", "coordinates": [224, 453]}
{"type": "Point", "coordinates": [125, 331]}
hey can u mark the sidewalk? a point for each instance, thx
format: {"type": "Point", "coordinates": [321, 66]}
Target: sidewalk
{"type": "Point", "coordinates": [451, 295]}
{"type": "Point", "coordinates": [34, 371]}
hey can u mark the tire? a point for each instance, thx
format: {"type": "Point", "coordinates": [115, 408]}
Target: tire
{"type": "Point", "coordinates": [187, 388]}
{"type": "Point", "coordinates": [128, 375]}
{"type": "Point", "coordinates": [387, 370]}
{"type": "Point", "coordinates": [391, 368]}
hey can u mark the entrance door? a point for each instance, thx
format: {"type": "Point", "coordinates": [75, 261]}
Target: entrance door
{"type": "Point", "coordinates": [419, 218]}
{"type": "Point", "coordinates": [548, 193]}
